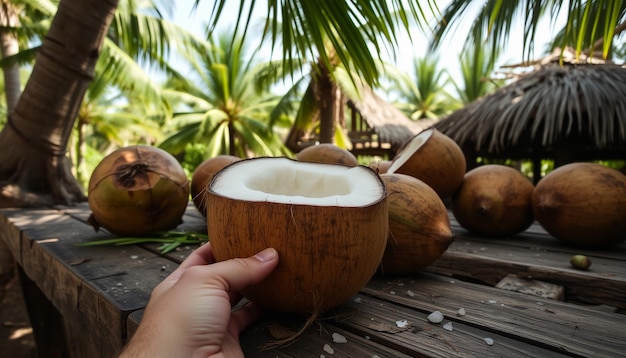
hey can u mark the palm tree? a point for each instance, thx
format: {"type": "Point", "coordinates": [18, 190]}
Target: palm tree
{"type": "Point", "coordinates": [422, 93]}
{"type": "Point", "coordinates": [34, 142]}
{"type": "Point", "coordinates": [226, 109]}
{"type": "Point", "coordinates": [477, 67]}
{"type": "Point", "coordinates": [590, 24]}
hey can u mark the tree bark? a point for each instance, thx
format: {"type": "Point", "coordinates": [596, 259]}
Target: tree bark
{"type": "Point", "coordinates": [34, 167]}
{"type": "Point", "coordinates": [327, 99]}
{"type": "Point", "coordinates": [8, 47]}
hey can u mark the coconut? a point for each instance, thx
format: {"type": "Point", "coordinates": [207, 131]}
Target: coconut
{"type": "Point", "coordinates": [327, 153]}
{"type": "Point", "coordinates": [380, 166]}
{"type": "Point", "coordinates": [138, 190]}
{"type": "Point", "coordinates": [582, 204]}
{"type": "Point", "coordinates": [202, 177]}
{"type": "Point", "coordinates": [328, 223]}
{"type": "Point", "coordinates": [434, 158]}
{"type": "Point", "coordinates": [494, 200]}
{"type": "Point", "coordinates": [419, 225]}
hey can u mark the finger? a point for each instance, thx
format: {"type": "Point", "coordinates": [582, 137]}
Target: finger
{"type": "Point", "coordinates": [237, 274]}
{"type": "Point", "coordinates": [200, 256]}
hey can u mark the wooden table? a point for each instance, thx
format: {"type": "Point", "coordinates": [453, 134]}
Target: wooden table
{"type": "Point", "coordinates": [85, 301]}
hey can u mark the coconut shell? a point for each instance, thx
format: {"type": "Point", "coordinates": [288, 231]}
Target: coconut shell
{"type": "Point", "coordinates": [327, 253]}
{"type": "Point", "coordinates": [494, 200]}
{"type": "Point", "coordinates": [138, 190]}
{"type": "Point", "coordinates": [327, 153]}
{"type": "Point", "coordinates": [419, 225]}
{"type": "Point", "coordinates": [202, 177]}
{"type": "Point", "coordinates": [583, 204]}
{"type": "Point", "coordinates": [433, 158]}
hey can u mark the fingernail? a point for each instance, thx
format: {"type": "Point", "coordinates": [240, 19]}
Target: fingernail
{"type": "Point", "coordinates": [266, 255]}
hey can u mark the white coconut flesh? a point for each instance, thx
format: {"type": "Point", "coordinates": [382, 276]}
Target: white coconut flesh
{"type": "Point", "coordinates": [412, 146]}
{"type": "Point", "coordinates": [282, 180]}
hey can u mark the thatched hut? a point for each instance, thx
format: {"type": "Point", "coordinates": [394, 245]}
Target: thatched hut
{"type": "Point", "coordinates": [572, 112]}
{"type": "Point", "coordinates": [374, 126]}
{"type": "Point", "coordinates": [377, 123]}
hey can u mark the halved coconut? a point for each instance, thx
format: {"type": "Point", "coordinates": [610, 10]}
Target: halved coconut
{"type": "Point", "coordinates": [582, 204]}
{"type": "Point", "coordinates": [328, 223]}
{"type": "Point", "coordinates": [434, 158]}
{"type": "Point", "coordinates": [494, 200]}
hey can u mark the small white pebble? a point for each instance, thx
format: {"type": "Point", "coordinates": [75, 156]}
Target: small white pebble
{"type": "Point", "coordinates": [448, 326]}
{"type": "Point", "coordinates": [134, 257]}
{"type": "Point", "coordinates": [461, 312]}
{"type": "Point", "coordinates": [328, 349]}
{"type": "Point", "coordinates": [367, 337]}
{"type": "Point", "coordinates": [338, 338]}
{"type": "Point", "coordinates": [357, 300]}
{"type": "Point", "coordinates": [402, 323]}
{"type": "Point", "coordinates": [491, 302]}
{"type": "Point", "coordinates": [410, 293]}
{"type": "Point", "coordinates": [392, 292]}
{"type": "Point", "coordinates": [452, 281]}
{"type": "Point", "coordinates": [435, 317]}
{"type": "Point", "coordinates": [489, 341]}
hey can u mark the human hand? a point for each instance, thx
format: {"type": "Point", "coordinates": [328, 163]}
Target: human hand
{"type": "Point", "coordinates": [190, 313]}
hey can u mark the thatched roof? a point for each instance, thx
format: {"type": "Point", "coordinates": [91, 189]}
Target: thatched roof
{"type": "Point", "coordinates": [583, 105]}
{"type": "Point", "coordinates": [390, 124]}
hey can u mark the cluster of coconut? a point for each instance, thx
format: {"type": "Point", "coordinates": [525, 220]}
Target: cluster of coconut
{"type": "Point", "coordinates": [581, 204]}
{"type": "Point", "coordinates": [336, 223]}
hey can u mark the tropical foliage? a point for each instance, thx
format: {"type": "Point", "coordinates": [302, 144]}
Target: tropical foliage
{"type": "Point", "coordinates": [422, 93]}
{"type": "Point", "coordinates": [225, 109]}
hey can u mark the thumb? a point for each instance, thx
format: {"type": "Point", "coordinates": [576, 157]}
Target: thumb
{"type": "Point", "coordinates": [240, 273]}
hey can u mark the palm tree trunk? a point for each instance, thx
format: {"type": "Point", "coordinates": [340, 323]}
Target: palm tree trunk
{"type": "Point", "coordinates": [327, 95]}
{"type": "Point", "coordinates": [34, 167]}
{"type": "Point", "coordinates": [9, 47]}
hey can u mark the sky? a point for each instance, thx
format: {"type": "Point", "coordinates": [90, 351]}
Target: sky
{"type": "Point", "coordinates": [448, 55]}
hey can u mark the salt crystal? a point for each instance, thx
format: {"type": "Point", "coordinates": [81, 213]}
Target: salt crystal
{"type": "Point", "coordinates": [435, 317]}
{"type": "Point", "coordinates": [357, 300]}
{"type": "Point", "coordinates": [338, 338]}
{"type": "Point", "coordinates": [402, 323]}
{"type": "Point", "coordinates": [461, 312]}
{"type": "Point", "coordinates": [400, 283]}
{"type": "Point", "coordinates": [367, 337]}
{"type": "Point", "coordinates": [375, 356]}
{"type": "Point", "coordinates": [410, 293]}
{"type": "Point", "coordinates": [392, 292]}
{"type": "Point", "coordinates": [489, 341]}
{"type": "Point", "coordinates": [134, 257]}
{"type": "Point", "coordinates": [321, 356]}
{"type": "Point", "coordinates": [448, 326]}
{"type": "Point", "coordinates": [328, 349]}
{"type": "Point", "coordinates": [491, 302]}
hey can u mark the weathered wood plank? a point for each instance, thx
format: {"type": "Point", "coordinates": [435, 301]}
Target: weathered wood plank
{"type": "Point", "coordinates": [561, 327]}
{"type": "Point", "coordinates": [94, 288]}
{"type": "Point", "coordinates": [382, 322]}
{"type": "Point", "coordinates": [603, 284]}
{"type": "Point", "coordinates": [311, 343]}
